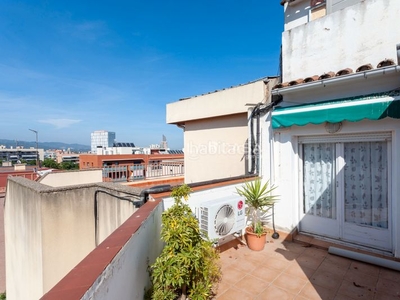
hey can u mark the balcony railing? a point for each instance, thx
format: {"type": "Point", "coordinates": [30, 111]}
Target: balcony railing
{"type": "Point", "coordinates": [129, 173]}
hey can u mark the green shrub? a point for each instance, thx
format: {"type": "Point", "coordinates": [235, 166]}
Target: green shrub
{"type": "Point", "coordinates": [189, 264]}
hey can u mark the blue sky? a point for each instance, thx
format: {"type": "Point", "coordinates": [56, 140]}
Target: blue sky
{"type": "Point", "coordinates": [68, 68]}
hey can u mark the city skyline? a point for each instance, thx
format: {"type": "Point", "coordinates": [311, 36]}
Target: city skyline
{"type": "Point", "coordinates": [68, 69]}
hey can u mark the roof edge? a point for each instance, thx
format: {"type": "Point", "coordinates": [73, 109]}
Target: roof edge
{"type": "Point", "coordinates": [266, 79]}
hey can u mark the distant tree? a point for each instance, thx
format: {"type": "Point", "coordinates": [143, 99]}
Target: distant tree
{"type": "Point", "coordinates": [31, 162]}
{"type": "Point", "coordinates": [69, 165]}
{"type": "Point", "coordinates": [50, 163]}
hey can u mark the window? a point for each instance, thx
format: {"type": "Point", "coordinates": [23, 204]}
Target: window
{"type": "Point", "coordinates": [317, 10]}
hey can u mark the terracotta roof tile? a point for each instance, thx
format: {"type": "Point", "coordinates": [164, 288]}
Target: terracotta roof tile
{"type": "Point", "coordinates": [344, 72]}
{"type": "Point", "coordinates": [385, 63]}
{"type": "Point", "coordinates": [297, 81]}
{"type": "Point", "coordinates": [311, 78]}
{"type": "Point", "coordinates": [364, 68]}
{"type": "Point", "coordinates": [327, 75]}
{"type": "Point", "coordinates": [281, 85]}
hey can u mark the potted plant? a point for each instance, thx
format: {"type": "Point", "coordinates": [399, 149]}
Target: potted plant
{"type": "Point", "coordinates": [188, 266]}
{"type": "Point", "coordinates": [258, 198]}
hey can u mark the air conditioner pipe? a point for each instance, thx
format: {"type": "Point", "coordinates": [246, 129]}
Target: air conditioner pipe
{"type": "Point", "coordinates": [382, 262]}
{"type": "Point", "coordinates": [258, 110]}
{"type": "Point", "coordinates": [135, 203]}
{"type": "Point", "coordinates": [144, 194]}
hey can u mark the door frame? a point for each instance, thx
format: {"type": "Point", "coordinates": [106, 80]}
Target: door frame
{"type": "Point", "coordinates": [339, 229]}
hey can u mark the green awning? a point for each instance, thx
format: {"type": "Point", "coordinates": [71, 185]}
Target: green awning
{"type": "Point", "coordinates": [372, 107]}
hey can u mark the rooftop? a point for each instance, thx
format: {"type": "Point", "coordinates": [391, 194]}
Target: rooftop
{"type": "Point", "coordinates": [285, 269]}
{"type": "Point", "coordinates": [301, 270]}
{"type": "Point", "coordinates": [265, 79]}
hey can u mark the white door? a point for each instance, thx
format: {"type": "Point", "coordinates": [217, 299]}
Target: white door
{"type": "Point", "coordinates": [345, 191]}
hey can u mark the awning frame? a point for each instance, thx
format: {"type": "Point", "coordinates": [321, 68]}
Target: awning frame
{"type": "Point", "coordinates": [373, 107]}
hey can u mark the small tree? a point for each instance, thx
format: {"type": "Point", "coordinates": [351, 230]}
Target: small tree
{"type": "Point", "coordinates": [68, 165]}
{"type": "Point", "coordinates": [50, 163]}
{"type": "Point", "coordinates": [188, 265]}
{"type": "Point", "coordinates": [258, 198]}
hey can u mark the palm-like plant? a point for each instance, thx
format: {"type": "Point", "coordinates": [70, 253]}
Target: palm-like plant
{"type": "Point", "coordinates": [258, 198]}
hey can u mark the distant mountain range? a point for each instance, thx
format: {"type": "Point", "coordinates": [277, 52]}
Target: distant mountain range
{"type": "Point", "coordinates": [45, 145]}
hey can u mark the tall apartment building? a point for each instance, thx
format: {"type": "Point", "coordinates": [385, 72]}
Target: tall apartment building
{"type": "Point", "coordinates": [101, 138]}
{"type": "Point", "coordinates": [19, 153]}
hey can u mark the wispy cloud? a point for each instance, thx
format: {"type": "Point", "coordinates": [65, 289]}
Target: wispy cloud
{"type": "Point", "coordinates": [60, 123]}
{"type": "Point", "coordinates": [89, 31]}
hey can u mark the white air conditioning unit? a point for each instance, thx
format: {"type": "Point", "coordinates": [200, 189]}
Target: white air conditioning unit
{"type": "Point", "coordinates": [222, 216]}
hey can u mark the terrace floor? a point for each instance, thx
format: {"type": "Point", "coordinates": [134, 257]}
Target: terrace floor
{"type": "Point", "coordinates": [290, 270]}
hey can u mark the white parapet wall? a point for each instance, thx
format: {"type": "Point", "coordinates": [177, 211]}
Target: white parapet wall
{"type": "Point", "coordinates": [66, 178]}
{"type": "Point", "coordinates": [49, 230]}
{"type": "Point", "coordinates": [127, 277]}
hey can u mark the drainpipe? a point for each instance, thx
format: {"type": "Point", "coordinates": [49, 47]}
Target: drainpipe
{"type": "Point", "coordinates": [398, 53]}
{"type": "Point", "coordinates": [259, 110]}
{"type": "Point", "coordinates": [394, 265]}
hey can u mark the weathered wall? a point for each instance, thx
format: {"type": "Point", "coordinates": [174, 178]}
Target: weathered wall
{"type": "Point", "coordinates": [220, 103]}
{"type": "Point", "coordinates": [215, 148]}
{"type": "Point", "coordinates": [49, 230]}
{"type": "Point", "coordinates": [67, 231]}
{"type": "Point", "coordinates": [127, 275]}
{"type": "Point", "coordinates": [113, 210]}
{"type": "Point", "coordinates": [356, 35]}
{"type": "Point", "coordinates": [23, 240]}
{"type": "Point", "coordinates": [72, 178]}
{"type": "Point", "coordinates": [217, 130]}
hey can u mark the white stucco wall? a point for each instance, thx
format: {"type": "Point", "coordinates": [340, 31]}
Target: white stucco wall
{"type": "Point", "coordinates": [220, 103]}
{"type": "Point", "coordinates": [49, 230]}
{"type": "Point", "coordinates": [356, 35]}
{"type": "Point", "coordinates": [216, 129]}
{"type": "Point", "coordinates": [215, 148]}
{"type": "Point", "coordinates": [127, 275]}
{"type": "Point", "coordinates": [56, 179]}
{"type": "Point", "coordinates": [23, 244]}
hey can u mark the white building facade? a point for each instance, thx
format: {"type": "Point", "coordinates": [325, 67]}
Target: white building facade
{"type": "Point", "coordinates": [101, 139]}
{"type": "Point", "coordinates": [331, 144]}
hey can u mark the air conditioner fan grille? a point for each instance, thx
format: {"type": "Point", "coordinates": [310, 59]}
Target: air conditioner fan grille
{"type": "Point", "coordinates": [224, 220]}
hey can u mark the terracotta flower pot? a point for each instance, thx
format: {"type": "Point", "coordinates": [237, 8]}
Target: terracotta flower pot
{"type": "Point", "coordinates": [253, 241]}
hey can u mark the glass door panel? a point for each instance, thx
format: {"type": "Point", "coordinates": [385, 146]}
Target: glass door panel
{"type": "Point", "coordinates": [366, 194]}
{"type": "Point", "coordinates": [319, 213]}
{"type": "Point", "coordinates": [366, 184]}
{"type": "Point", "coordinates": [319, 180]}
